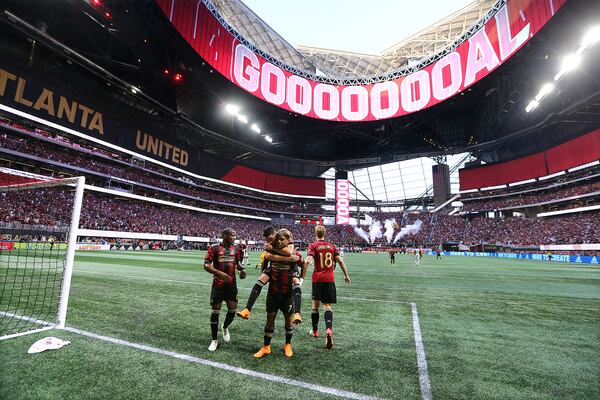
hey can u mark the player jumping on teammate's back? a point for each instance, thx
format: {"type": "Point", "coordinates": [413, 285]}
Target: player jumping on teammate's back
{"type": "Point", "coordinates": [222, 260]}
{"type": "Point", "coordinates": [277, 255]}
{"type": "Point", "coordinates": [325, 256]}
{"type": "Point", "coordinates": [280, 295]}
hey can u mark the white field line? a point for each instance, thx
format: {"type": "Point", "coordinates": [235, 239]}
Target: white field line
{"type": "Point", "coordinates": [421, 361]}
{"type": "Point", "coordinates": [49, 325]}
{"type": "Point", "coordinates": [420, 349]}
{"type": "Point", "coordinates": [21, 317]}
{"type": "Point", "coordinates": [238, 370]}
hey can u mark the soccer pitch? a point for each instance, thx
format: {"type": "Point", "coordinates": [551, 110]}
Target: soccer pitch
{"type": "Point", "coordinates": [490, 329]}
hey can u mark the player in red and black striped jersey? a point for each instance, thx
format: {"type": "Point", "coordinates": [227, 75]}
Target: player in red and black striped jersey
{"type": "Point", "coordinates": [280, 295]}
{"type": "Point", "coordinates": [272, 253]}
{"type": "Point", "coordinates": [325, 256]}
{"type": "Point", "coordinates": [222, 260]}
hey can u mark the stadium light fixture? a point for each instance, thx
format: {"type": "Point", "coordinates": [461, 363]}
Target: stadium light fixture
{"type": "Point", "coordinates": [531, 106]}
{"type": "Point", "coordinates": [569, 63]}
{"type": "Point", "coordinates": [243, 119]}
{"type": "Point", "coordinates": [544, 91]}
{"type": "Point", "coordinates": [232, 109]}
{"type": "Point", "coordinates": [591, 37]}
{"type": "Point", "coordinates": [269, 139]}
{"type": "Point", "coordinates": [255, 128]}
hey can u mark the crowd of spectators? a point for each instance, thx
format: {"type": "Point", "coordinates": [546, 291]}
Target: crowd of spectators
{"type": "Point", "coordinates": [514, 201]}
{"type": "Point", "coordinates": [117, 169]}
{"type": "Point", "coordinates": [52, 206]}
{"type": "Point", "coordinates": [583, 183]}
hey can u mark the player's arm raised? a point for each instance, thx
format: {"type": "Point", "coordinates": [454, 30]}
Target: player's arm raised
{"type": "Point", "coordinates": [340, 261]}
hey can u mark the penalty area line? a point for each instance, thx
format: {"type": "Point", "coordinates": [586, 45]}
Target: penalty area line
{"type": "Point", "coordinates": [421, 361]}
{"type": "Point", "coordinates": [238, 370]}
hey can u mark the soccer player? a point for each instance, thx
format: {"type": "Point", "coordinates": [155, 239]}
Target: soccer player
{"type": "Point", "coordinates": [438, 253]}
{"type": "Point", "coordinates": [244, 247]}
{"type": "Point", "coordinates": [222, 260]}
{"type": "Point", "coordinates": [325, 256]}
{"type": "Point", "coordinates": [280, 295]}
{"type": "Point", "coordinates": [275, 254]}
{"type": "Point", "coordinates": [418, 254]}
{"type": "Point", "coordinates": [392, 257]}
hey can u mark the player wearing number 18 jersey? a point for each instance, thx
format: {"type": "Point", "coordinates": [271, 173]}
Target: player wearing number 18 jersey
{"type": "Point", "coordinates": [325, 256]}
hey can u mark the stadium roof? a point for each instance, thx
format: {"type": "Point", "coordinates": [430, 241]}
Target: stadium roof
{"type": "Point", "coordinates": [338, 64]}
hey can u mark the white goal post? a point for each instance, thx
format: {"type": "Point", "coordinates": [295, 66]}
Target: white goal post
{"type": "Point", "coordinates": [36, 254]}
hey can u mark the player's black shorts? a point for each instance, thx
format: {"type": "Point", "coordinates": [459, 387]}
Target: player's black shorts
{"type": "Point", "coordinates": [285, 303]}
{"type": "Point", "coordinates": [227, 293]}
{"type": "Point", "coordinates": [324, 292]}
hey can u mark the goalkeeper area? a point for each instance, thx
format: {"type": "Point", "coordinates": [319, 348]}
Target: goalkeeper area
{"type": "Point", "coordinates": [456, 328]}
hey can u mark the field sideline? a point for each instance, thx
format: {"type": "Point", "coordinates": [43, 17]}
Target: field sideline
{"type": "Point", "coordinates": [491, 329]}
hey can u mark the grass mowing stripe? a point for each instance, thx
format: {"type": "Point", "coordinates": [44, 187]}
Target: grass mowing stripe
{"type": "Point", "coordinates": [239, 287]}
{"type": "Point", "coordinates": [146, 278]}
{"type": "Point", "coordinates": [244, 371]}
{"type": "Point", "coordinates": [421, 361]}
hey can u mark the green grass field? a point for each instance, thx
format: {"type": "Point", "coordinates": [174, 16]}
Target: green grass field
{"type": "Point", "coordinates": [491, 329]}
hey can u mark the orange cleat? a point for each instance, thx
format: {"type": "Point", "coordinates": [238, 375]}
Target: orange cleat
{"type": "Point", "coordinates": [264, 351]}
{"type": "Point", "coordinates": [245, 313]}
{"type": "Point", "coordinates": [287, 350]}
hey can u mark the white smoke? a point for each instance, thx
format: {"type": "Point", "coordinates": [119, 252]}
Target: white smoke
{"type": "Point", "coordinates": [389, 225]}
{"type": "Point", "coordinates": [361, 233]}
{"type": "Point", "coordinates": [409, 229]}
{"type": "Point", "coordinates": [375, 231]}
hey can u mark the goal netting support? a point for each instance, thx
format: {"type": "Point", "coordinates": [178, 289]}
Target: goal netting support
{"type": "Point", "coordinates": [37, 250]}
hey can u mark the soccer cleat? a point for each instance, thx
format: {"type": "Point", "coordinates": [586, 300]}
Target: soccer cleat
{"type": "Point", "coordinates": [329, 338]}
{"type": "Point", "coordinates": [265, 350]}
{"type": "Point", "coordinates": [226, 335]}
{"type": "Point", "coordinates": [313, 333]}
{"type": "Point", "coordinates": [213, 345]}
{"type": "Point", "coordinates": [287, 350]}
{"type": "Point", "coordinates": [245, 313]}
{"type": "Point", "coordinates": [297, 318]}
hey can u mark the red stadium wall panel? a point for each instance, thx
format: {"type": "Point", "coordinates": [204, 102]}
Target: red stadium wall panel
{"type": "Point", "coordinates": [501, 36]}
{"type": "Point", "coordinates": [275, 183]}
{"type": "Point", "coordinates": [503, 173]}
{"type": "Point", "coordinates": [582, 150]}
{"type": "Point", "coordinates": [575, 152]}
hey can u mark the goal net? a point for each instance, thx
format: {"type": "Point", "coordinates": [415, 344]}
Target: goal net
{"type": "Point", "coordinates": [39, 218]}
